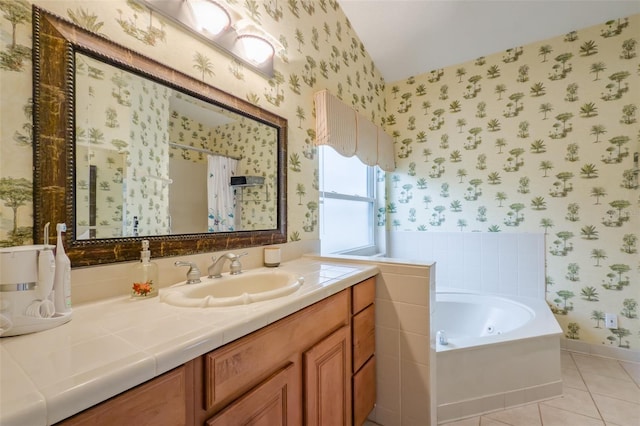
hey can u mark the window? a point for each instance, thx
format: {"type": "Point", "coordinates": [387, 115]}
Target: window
{"type": "Point", "coordinates": [347, 205]}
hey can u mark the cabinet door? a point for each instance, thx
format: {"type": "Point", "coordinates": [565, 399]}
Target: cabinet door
{"type": "Point", "coordinates": [275, 402]}
{"type": "Point", "coordinates": [327, 374]}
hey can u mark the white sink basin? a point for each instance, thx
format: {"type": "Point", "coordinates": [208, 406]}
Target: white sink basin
{"type": "Point", "coordinates": [232, 290]}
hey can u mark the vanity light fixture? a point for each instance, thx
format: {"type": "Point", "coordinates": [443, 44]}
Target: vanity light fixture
{"type": "Point", "coordinates": [256, 49]}
{"type": "Point", "coordinates": [223, 28]}
{"type": "Point", "coordinates": [210, 16]}
{"type": "Point", "coordinates": [254, 44]}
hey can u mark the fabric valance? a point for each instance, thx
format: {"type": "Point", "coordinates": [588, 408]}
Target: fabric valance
{"type": "Point", "coordinates": [350, 133]}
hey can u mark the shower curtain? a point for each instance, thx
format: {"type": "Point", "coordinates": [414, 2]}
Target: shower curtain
{"type": "Point", "coordinates": [221, 200]}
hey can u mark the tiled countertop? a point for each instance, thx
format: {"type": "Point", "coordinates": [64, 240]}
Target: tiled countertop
{"type": "Point", "coordinates": [113, 345]}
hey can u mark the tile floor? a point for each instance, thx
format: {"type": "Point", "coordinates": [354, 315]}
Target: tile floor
{"type": "Point", "coordinates": [596, 391]}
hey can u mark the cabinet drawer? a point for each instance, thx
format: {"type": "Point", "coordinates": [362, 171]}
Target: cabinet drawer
{"type": "Point", "coordinates": [161, 401]}
{"type": "Point", "coordinates": [237, 367]}
{"type": "Point", "coordinates": [364, 392]}
{"type": "Point", "coordinates": [364, 341]}
{"type": "Point", "coordinates": [363, 294]}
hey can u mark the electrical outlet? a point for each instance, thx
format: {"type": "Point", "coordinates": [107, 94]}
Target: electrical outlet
{"type": "Point", "coordinates": [611, 320]}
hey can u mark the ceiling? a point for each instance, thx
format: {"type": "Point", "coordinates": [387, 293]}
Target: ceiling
{"type": "Point", "coordinates": [411, 37]}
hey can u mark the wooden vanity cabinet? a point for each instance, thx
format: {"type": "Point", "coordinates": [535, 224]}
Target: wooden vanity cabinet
{"type": "Point", "coordinates": [312, 345]}
{"type": "Point", "coordinates": [327, 351]}
{"type": "Point", "coordinates": [313, 367]}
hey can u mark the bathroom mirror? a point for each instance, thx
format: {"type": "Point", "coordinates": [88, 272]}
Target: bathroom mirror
{"type": "Point", "coordinates": [128, 149]}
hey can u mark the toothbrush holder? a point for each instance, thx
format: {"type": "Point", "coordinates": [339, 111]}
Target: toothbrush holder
{"type": "Point", "coordinates": [272, 256]}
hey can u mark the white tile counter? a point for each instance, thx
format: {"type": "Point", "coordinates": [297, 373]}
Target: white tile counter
{"type": "Point", "coordinates": [116, 344]}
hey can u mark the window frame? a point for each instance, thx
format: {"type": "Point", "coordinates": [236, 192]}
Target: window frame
{"type": "Point", "coordinates": [372, 248]}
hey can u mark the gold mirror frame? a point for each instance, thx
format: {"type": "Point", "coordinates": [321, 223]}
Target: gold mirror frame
{"type": "Point", "coordinates": [55, 41]}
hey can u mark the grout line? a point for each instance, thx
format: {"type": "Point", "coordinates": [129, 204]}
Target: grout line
{"type": "Point", "coordinates": [598, 356]}
{"type": "Point", "coordinates": [540, 414]}
{"type": "Point", "coordinates": [596, 373]}
{"type": "Point", "coordinates": [589, 391]}
{"type": "Point", "coordinates": [579, 414]}
{"type": "Point", "coordinates": [633, 380]}
{"type": "Point", "coordinates": [496, 421]}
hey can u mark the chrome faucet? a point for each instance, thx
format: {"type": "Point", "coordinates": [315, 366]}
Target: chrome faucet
{"type": "Point", "coordinates": [193, 275]}
{"type": "Point", "coordinates": [235, 268]}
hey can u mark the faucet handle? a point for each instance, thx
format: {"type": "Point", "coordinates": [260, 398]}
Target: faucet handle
{"type": "Point", "coordinates": [193, 274]}
{"type": "Point", "coordinates": [235, 267]}
{"type": "Point", "coordinates": [211, 268]}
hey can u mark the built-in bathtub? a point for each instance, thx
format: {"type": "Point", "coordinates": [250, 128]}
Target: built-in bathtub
{"type": "Point", "coordinates": [500, 352]}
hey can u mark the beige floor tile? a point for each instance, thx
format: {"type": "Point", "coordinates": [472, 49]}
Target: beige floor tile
{"type": "Point", "coordinates": [615, 388]}
{"type": "Point", "coordinates": [617, 411]}
{"type": "Point", "coordinates": [633, 368]}
{"type": "Point", "coordinates": [473, 421]}
{"type": "Point", "coordinates": [576, 401]}
{"type": "Point", "coordinates": [566, 361]}
{"type": "Point", "coordinates": [571, 378]}
{"type": "Point", "coordinates": [552, 416]}
{"type": "Point", "coordinates": [527, 415]}
{"type": "Point", "coordinates": [488, 422]}
{"type": "Point", "coordinates": [598, 365]}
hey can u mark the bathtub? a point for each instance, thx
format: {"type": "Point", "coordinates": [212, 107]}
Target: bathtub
{"type": "Point", "coordinates": [500, 352]}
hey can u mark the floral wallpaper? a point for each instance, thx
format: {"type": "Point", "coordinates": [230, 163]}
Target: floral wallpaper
{"type": "Point", "coordinates": [321, 51]}
{"type": "Point", "coordinates": [120, 116]}
{"type": "Point", "coordinates": [538, 138]}
{"type": "Point", "coordinates": [107, 183]}
{"type": "Point", "coordinates": [146, 194]}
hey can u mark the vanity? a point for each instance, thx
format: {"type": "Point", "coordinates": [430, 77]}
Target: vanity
{"type": "Point", "coordinates": [305, 358]}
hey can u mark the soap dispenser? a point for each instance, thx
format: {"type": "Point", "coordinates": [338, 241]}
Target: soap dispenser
{"type": "Point", "coordinates": [144, 275]}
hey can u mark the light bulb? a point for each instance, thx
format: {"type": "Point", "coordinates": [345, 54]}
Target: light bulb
{"type": "Point", "coordinates": [210, 16]}
{"type": "Point", "coordinates": [257, 49]}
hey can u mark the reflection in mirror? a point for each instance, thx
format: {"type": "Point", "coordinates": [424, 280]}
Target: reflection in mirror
{"type": "Point", "coordinates": [118, 157]}
{"type": "Point", "coordinates": [151, 160]}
